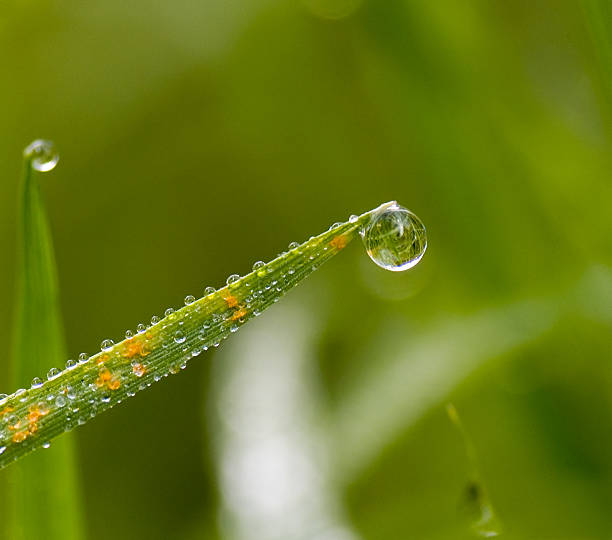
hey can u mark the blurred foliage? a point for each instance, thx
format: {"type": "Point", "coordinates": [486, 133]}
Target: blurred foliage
{"type": "Point", "coordinates": [490, 120]}
{"type": "Point", "coordinates": [39, 343]}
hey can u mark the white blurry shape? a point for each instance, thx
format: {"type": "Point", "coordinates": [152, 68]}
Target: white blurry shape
{"type": "Point", "coordinates": [419, 372]}
{"type": "Point", "coordinates": [272, 456]}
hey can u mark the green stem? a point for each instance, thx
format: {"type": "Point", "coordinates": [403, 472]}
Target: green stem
{"type": "Point", "coordinates": [86, 388]}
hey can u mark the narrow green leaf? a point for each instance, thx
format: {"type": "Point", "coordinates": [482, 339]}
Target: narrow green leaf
{"type": "Point", "coordinates": [43, 494]}
{"type": "Point", "coordinates": [92, 385]}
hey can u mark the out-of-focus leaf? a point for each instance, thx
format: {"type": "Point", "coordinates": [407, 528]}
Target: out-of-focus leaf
{"type": "Point", "coordinates": [43, 493]}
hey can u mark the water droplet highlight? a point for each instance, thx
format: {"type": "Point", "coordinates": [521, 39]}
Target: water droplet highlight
{"type": "Point", "coordinates": [395, 238]}
{"type": "Point", "coordinates": [42, 155]}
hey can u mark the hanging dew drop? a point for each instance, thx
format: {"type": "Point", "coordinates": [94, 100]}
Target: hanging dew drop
{"type": "Point", "coordinates": [42, 155]}
{"type": "Point", "coordinates": [395, 238]}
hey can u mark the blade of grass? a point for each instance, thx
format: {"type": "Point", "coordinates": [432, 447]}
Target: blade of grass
{"type": "Point", "coordinates": [43, 493]}
{"type": "Point", "coordinates": [92, 385]}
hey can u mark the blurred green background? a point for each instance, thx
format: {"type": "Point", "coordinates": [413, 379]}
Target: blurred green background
{"type": "Point", "coordinates": [198, 137]}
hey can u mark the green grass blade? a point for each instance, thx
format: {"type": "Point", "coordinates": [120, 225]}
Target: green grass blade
{"type": "Point", "coordinates": [92, 385]}
{"type": "Point", "coordinates": [43, 492]}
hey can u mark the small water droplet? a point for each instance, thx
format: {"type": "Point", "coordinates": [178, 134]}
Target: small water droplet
{"type": "Point", "coordinates": [60, 401]}
{"type": "Point", "coordinates": [71, 364]}
{"type": "Point", "coordinates": [107, 345]}
{"type": "Point", "coordinates": [169, 313]}
{"type": "Point", "coordinates": [335, 226]}
{"type": "Point", "coordinates": [42, 155]}
{"type": "Point", "coordinates": [53, 373]}
{"type": "Point", "coordinates": [395, 239]}
{"type": "Point", "coordinates": [189, 299]}
{"type": "Point", "coordinates": [154, 320]}
{"type": "Point", "coordinates": [2, 450]}
{"type": "Point", "coordinates": [3, 398]}
{"type": "Point", "coordinates": [37, 382]}
{"type": "Point", "coordinates": [141, 328]}
{"type": "Point", "coordinates": [232, 279]}
{"type": "Point", "coordinates": [179, 337]}
{"type": "Point", "coordinates": [353, 218]}
{"type": "Point", "coordinates": [129, 334]}
{"type": "Point", "coordinates": [83, 358]}
{"type": "Point", "coordinates": [234, 328]}
{"type": "Point", "coordinates": [294, 245]}
{"type": "Point", "coordinates": [46, 444]}
{"type": "Point", "coordinates": [258, 266]}
{"type": "Point", "coordinates": [209, 290]}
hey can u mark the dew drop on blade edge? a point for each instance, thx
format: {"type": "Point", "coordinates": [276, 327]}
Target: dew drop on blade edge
{"type": "Point", "coordinates": [395, 239]}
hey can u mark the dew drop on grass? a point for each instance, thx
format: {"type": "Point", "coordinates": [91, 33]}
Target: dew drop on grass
{"type": "Point", "coordinates": [42, 155]}
{"type": "Point", "coordinates": [36, 382]}
{"type": "Point", "coordinates": [189, 299]}
{"type": "Point", "coordinates": [107, 345]}
{"type": "Point", "coordinates": [179, 337]}
{"type": "Point", "coordinates": [53, 373]}
{"type": "Point", "coordinates": [395, 238]}
{"type": "Point", "coordinates": [232, 279]}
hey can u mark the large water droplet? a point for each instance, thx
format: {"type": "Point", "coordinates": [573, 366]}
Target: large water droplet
{"type": "Point", "coordinates": [42, 155]}
{"type": "Point", "coordinates": [395, 238]}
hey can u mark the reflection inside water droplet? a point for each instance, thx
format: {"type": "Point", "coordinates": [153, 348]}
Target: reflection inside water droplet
{"type": "Point", "coordinates": [42, 155]}
{"type": "Point", "coordinates": [395, 238]}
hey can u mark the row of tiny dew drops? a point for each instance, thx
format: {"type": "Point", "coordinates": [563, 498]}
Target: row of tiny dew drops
{"type": "Point", "coordinates": [394, 239]}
